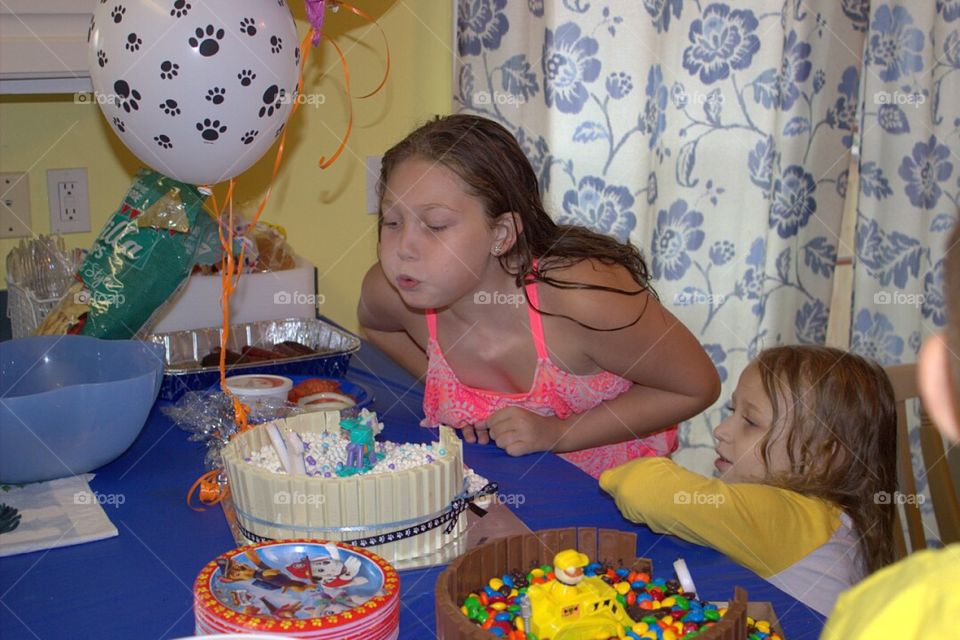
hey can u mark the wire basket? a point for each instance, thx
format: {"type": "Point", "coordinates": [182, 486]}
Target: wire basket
{"type": "Point", "coordinates": [39, 272]}
{"type": "Point", "coordinates": [25, 310]}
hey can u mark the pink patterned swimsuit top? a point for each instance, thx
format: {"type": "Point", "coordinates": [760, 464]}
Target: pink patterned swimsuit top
{"type": "Point", "coordinates": [554, 392]}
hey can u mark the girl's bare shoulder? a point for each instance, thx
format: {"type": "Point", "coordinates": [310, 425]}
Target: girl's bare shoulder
{"type": "Point", "coordinates": [596, 300]}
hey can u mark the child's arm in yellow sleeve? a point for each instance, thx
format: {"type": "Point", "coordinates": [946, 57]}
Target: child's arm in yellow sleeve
{"type": "Point", "coordinates": [764, 528]}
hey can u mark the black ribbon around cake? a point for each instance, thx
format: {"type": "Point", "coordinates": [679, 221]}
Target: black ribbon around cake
{"type": "Point", "coordinates": [449, 517]}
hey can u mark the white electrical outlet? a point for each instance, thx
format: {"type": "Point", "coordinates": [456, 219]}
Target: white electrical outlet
{"type": "Point", "coordinates": [69, 200]}
{"type": "Point", "coordinates": [14, 205]}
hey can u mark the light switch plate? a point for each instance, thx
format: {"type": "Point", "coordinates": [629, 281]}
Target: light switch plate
{"type": "Point", "coordinates": [14, 205]}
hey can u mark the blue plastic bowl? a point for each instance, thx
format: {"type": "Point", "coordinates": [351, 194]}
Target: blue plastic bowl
{"type": "Point", "coordinates": [70, 404]}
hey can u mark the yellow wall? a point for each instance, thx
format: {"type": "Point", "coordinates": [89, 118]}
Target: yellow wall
{"type": "Point", "coordinates": [323, 211]}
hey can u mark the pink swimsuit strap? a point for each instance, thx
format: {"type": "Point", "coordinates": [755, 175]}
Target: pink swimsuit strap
{"type": "Point", "coordinates": [536, 322]}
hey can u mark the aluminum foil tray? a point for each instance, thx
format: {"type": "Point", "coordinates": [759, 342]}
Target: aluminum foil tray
{"type": "Point", "coordinates": [185, 349]}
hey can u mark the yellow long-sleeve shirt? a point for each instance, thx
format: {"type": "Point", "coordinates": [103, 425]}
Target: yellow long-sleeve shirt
{"type": "Point", "coordinates": [800, 544]}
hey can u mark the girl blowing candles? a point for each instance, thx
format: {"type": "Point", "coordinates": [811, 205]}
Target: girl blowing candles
{"type": "Point", "coordinates": [539, 336]}
{"type": "Point", "coordinates": [805, 457]}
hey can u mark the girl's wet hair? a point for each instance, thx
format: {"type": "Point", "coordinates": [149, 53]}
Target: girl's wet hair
{"type": "Point", "coordinates": [489, 161]}
{"type": "Point", "coordinates": [840, 423]}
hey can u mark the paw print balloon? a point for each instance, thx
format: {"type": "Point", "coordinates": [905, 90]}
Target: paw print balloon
{"type": "Point", "coordinates": [197, 89]}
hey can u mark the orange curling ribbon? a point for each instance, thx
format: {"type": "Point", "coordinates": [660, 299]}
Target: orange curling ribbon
{"type": "Point", "coordinates": [386, 44]}
{"type": "Point", "coordinates": [209, 490]}
{"type": "Point", "coordinates": [324, 162]}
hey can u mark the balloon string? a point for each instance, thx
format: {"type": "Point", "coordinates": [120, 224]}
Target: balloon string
{"type": "Point", "coordinates": [386, 44]}
{"type": "Point", "coordinates": [230, 269]}
{"type": "Point", "coordinates": [210, 492]}
{"type": "Point", "coordinates": [323, 162]}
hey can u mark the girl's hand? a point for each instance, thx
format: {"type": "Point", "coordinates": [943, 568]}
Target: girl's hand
{"type": "Point", "coordinates": [476, 433]}
{"type": "Point", "coordinates": [518, 431]}
{"type": "Point", "coordinates": [471, 433]}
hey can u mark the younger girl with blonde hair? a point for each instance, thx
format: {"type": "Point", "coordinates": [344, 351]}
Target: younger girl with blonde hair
{"type": "Point", "coordinates": [807, 474]}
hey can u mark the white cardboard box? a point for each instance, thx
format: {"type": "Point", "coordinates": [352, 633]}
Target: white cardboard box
{"type": "Point", "coordinates": [259, 296]}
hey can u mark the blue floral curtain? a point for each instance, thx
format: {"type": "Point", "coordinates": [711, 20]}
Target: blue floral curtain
{"type": "Point", "coordinates": [714, 136]}
{"type": "Point", "coordinates": [909, 196]}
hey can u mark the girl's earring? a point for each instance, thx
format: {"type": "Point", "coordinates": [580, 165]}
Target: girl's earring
{"type": "Point", "coordinates": [497, 248]}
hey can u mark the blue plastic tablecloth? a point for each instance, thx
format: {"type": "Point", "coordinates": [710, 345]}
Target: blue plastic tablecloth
{"type": "Point", "coordinates": [139, 584]}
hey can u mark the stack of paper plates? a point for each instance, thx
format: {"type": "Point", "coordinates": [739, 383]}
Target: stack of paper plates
{"type": "Point", "coordinates": [301, 589]}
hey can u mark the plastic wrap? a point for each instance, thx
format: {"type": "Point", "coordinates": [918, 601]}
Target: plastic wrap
{"type": "Point", "coordinates": [208, 415]}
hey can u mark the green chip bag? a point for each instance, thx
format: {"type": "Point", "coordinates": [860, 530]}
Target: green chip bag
{"type": "Point", "coordinates": [142, 255]}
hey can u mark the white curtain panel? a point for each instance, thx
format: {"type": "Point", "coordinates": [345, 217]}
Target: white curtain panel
{"type": "Point", "coordinates": [714, 136]}
{"type": "Point", "coordinates": [909, 195]}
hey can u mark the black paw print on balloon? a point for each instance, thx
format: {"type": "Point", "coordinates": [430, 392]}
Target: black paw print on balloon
{"type": "Point", "coordinates": [180, 8]}
{"type": "Point", "coordinates": [272, 98]}
{"type": "Point", "coordinates": [163, 140]}
{"type": "Point", "coordinates": [102, 58]}
{"type": "Point", "coordinates": [210, 130]}
{"type": "Point", "coordinates": [248, 26]}
{"type": "Point", "coordinates": [170, 107]}
{"type": "Point", "coordinates": [207, 41]}
{"type": "Point", "coordinates": [246, 77]}
{"type": "Point", "coordinates": [118, 123]}
{"type": "Point", "coordinates": [276, 44]}
{"type": "Point", "coordinates": [296, 56]}
{"type": "Point", "coordinates": [169, 70]}
{"type": "Point", "coordinates": [133, 42]}
{"type": "Point", "coordinates": [129, 97]}
{"type": "Point", "coordinates": [248, 137]}
{"type": "Point", "coordinates": [216, 95]}
{"type": "Point", "coordinates": [117, 14]}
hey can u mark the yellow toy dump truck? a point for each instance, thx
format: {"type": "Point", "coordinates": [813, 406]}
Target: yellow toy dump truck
{"type": "Point", "coordinates": [574, 607]}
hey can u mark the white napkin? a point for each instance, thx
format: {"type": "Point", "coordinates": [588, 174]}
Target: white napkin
{"type": "Point", "coordinates": [57, 513]}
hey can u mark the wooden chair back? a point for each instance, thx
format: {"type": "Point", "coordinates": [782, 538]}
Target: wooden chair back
{"type": "Point", "coordinates": [935, 467]}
